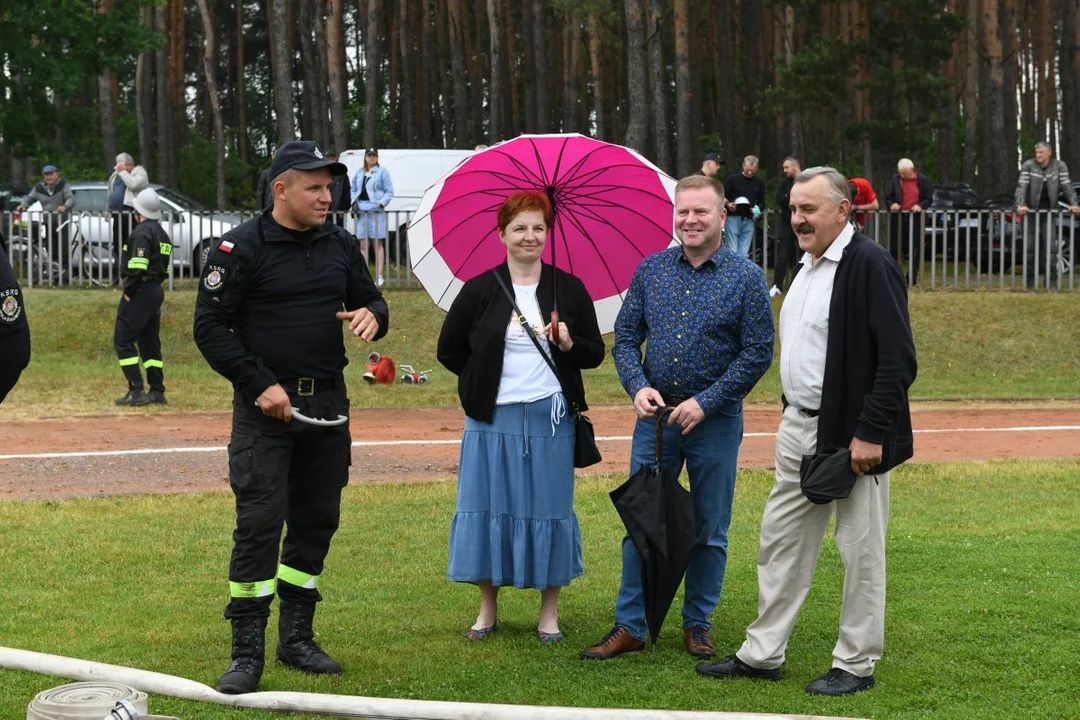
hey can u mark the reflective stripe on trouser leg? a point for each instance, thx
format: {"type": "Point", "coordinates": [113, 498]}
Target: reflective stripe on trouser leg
{"type": "Point", "coordinates": [124, 362]}
{"type": "Point", "coordinates": [151, 363]}
{"type": "Point", "coordinates": [298, 578]}
{"type": "Point", "coordinates": [257, 589]}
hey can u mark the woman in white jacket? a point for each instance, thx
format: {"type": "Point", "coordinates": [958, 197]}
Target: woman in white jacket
{"type": "Point", "coordinates": [372, 191]}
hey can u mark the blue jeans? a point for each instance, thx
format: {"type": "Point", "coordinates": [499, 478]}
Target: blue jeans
{"type": "Point", "coordinates": [710, 452]}
{"type": "Point", "coordinates": [738, 234]}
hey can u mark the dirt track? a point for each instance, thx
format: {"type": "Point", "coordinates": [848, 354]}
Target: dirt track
{"type": "Point", "coordinates": [196, 441]}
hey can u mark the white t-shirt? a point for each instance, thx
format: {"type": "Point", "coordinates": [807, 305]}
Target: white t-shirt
{"type": "Point", "coordinates": [526, 376]}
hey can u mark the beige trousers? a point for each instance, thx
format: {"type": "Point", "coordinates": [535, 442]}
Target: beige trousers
{"type": "Point", "coordinates": [792, 531]}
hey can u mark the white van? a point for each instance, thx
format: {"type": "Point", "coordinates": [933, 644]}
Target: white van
{"type": "Point", "coordinates": [411, 171]}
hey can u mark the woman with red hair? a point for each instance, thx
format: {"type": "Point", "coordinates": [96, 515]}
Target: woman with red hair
{"type": "Point", "coordinates": [514, 524]}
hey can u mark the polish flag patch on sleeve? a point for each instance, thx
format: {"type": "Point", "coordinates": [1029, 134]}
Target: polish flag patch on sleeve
{"type": "Point", "coordinates": [226, 246]}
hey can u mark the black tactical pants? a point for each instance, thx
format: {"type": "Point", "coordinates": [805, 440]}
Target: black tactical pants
{"type": "Point", "coordinates": [138, 333]}
{"type": "Point", "coordinates": [287, 475]}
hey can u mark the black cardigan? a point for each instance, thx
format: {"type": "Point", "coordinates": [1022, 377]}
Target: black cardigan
{"type": "Point", "coordinates": [869, 357]}
{"type": "Point", "coordinates": [896, 191]}
{"type": "Point", "coordinates": [473, 337]}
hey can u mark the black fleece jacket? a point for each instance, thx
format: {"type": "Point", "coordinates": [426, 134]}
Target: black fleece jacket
{"type": "Point", "coordinates": [870, 356]}
{"type": "Point", "coordinates": [473, 337]}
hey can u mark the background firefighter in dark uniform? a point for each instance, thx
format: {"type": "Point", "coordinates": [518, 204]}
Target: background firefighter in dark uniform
{"type": "Point", "coordinates": [146, 258]}
{"type": "Point", "coordinates": [14, 329]}
{"type": "Point", "coordinates": [272, 299]}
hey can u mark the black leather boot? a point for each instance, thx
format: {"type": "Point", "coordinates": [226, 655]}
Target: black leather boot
{"type": "Point", "coordinates": [296, 644]}
{"type": "Point", "coordinates": [135, 397]}
{"type": "Point", "coordinates": [248, 650]}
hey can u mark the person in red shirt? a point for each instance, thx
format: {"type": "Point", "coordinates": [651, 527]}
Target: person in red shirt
{"type": "Point", "coordinates": [863, 199]}
{"type": "Point", "coordinates": [909, 193]}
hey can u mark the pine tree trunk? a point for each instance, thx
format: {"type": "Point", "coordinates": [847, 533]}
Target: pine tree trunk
{"type": "Point", "coordinates": [971, 89]}
{"type": "Point", "coordinates": [144, 106]}
{"type": "Point", "coordinates": [393, 80]}
{"type": "Point", "coordinates": [1069, 147]}
{"type": "Point", "coordinates": [1010, 140]}
{"type": "Point", "coordinates": [405, 36]}
{"type": "Point", "coordinates": [165, 147]}
{"type": "Point", "coordinates": [177, 82]}
{"type": "Point", "coordinates": [442, 32]}
{"type": "Point", "coordinates": [309, 108]}
{"type": "Point", "coordinates": [106, 107]}
{"type": "Point", "coordinates": [458, 71]}
{"type": "Point", "coordinates": [431, 124]}
{"type": "Point", "coordinates": [572, 77]}
{"type": "Point", "coordinates": [324, 129]}
{"type": "Point", "coordinates": [372, 68]}
{"type": "Point", "coordinates": [513, 123]}
{"type": "Point", "coordinates": [993, 177]}
{"type": "Point", "coordinates": [596, 74]}
{"type": "Point", "coordinates": [215, 101]}
{"type": "Point", "coordinates": [540, 47]}
{"type": "Point", "coordinates": [528, 66]}
{"type": "Point", "coordinates": [684, 90]}
{"type": "Point", "coordinates": [282, 63]}
{"type": "Point", "coordinates": [725, 82]}
{"type": "Point", "coordinates": [637, 130]}
{"type": "Point", "coordinates": [241, 71]}
{"type": "Point", "coordinates": [495, 99]}
{"type": "Point", "coordinates": [335, 63]}
{"type": "Point", "coordinates": [660, 152]}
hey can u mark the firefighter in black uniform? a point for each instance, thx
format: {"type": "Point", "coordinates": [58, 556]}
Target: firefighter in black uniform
{"type": "Point", "coordinates": [14, 329]}
{"type": "Point", "coordinates": [272, 299]}
{"type": "Point", "coordinates": [147, 255]}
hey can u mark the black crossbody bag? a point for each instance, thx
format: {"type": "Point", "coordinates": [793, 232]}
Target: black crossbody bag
{"type": "Point", "coordinates": [585, 450]}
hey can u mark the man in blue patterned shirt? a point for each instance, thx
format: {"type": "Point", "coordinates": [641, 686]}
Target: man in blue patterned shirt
{"type": "Point", "coordinates": [705, 316]}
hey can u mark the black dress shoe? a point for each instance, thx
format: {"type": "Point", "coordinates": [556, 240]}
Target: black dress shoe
{"type": "Point", "coordinates": [840, 682]}
{"type": "Point", "coordinates": [732, 666]}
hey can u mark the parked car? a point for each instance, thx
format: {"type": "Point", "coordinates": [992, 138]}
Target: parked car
{"type": "Point", "coordinates": [1003, 224]}
{"type": "Point", "coordinates": [959, 226]}
{"type": "Point", "coordinates": [193, 228]}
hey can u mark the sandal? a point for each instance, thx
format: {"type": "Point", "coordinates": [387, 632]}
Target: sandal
{"type": "Point", "coordinates": [481, 633]}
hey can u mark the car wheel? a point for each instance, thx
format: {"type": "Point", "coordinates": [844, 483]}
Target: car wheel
{"type": "Point", "coordinates": [203, 251]}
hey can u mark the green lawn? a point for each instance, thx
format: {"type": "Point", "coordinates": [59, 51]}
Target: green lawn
{"type": "Point", "coordinates": [971, 345]}
{"type": "Point", "coordinates": [984, 575]}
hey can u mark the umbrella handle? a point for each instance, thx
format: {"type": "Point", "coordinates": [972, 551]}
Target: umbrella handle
{"type": "Point", "coordinates": [660, 415]}
{"type": "Point", "coordinates": [555, 326]}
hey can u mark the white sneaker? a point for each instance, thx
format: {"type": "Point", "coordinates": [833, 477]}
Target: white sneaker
{"type": "Point", "coordinates": [379, 282]}
{"type": "Point", "coordinates": [774, 291]}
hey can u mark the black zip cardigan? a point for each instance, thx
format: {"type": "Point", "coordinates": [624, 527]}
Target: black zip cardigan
{"type": "Point", "coordinates": [473, 337]}
{"type": "Point", "coordinates": [869, 356]}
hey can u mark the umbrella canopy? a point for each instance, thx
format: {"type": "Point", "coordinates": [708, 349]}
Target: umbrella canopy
{"type": "Point", "coordinates": [612, 207]}
{"type": "Point", "coordinates": [659, 517]}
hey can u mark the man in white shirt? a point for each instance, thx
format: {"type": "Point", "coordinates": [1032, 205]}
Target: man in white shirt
{"type": "Point", "coordinates": [842, 389]}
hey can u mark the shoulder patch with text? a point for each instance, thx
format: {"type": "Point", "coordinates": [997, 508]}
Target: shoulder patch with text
{"type": "Point", "coordinates": [10, 308]}
{"type": "Point", "coordinates": [215, 278]}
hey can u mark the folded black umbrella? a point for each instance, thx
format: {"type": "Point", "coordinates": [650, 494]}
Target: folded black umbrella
{"type": "Point", "coordinates": [659, 517]}
{"type": "Point", "coordinates": [826, 476]}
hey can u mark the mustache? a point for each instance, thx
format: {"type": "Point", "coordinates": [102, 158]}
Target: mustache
{"type": "Point", "coordinates": [804, 228]}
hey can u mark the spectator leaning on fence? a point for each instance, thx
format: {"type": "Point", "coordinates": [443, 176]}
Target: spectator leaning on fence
{"type": "Point", "coordinates": [56, 200]}
{"type": "Point", "coordinates": [127, 181]}
{"type": "Point", "coordinates": [863, 199]}
{"type": "Point", "coordinates": [1042, 179]}
{"type": "Point", "coordinates": [909, 193]}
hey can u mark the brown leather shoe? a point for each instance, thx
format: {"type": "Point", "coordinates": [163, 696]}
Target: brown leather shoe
{"type": "Point", "coordinates": [617, 642]}
{"type": "Point", "coordinates": [698, 642]}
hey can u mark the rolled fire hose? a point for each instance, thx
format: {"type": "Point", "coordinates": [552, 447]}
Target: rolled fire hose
{"type": "Point", "coordinates": [348, 706]}
{"type": "Point", "coordinates": [321, 422]}
{"type": "Point", "coordinates": [91, 701]}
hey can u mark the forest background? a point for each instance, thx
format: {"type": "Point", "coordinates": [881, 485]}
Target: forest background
{"type": "Point", "coordinates": [199, 91]}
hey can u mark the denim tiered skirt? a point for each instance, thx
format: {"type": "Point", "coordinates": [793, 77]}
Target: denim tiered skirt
{"type": "Point", "coordinates": [515, 524]}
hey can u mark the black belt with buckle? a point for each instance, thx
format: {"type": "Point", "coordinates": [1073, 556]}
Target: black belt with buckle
{"type": "Point", "coordinates": [673, 400]}
{"type": "Point", "coordinates": [808, 413]}
{"type": "Point", "coordinates": [308, 386]}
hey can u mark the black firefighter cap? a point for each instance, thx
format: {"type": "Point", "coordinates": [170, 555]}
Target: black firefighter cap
{"type": "Point", "coordinates": [303, 155]}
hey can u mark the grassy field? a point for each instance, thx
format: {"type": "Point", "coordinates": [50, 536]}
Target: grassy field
{"type": "Point", "coordinates": [992, 345]}
{"type": "Point", "coordinates": [984, 571]}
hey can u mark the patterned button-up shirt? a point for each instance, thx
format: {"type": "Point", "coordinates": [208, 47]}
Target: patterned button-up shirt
{"type": "Point", "coordinates": [709, 329]}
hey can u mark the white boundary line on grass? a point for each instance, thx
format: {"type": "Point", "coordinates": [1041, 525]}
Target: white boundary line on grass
{"type": "Point", "coordinates": [391, 443]}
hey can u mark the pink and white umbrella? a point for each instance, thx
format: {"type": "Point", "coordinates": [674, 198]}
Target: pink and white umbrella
{"type": "Point", "coordinates": [612, 207]}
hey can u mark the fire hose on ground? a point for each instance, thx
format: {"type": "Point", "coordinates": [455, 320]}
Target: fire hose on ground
{"type": "Point", "coordinates": [348, 706]}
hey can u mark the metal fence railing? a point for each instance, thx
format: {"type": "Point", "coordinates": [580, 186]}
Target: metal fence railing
{"type": "Point", "coordinates": [81, 249]}
{"type": "Point", "coordinates": [963, 249]}
{"type": "Point", "coordinates": [937, 249]}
